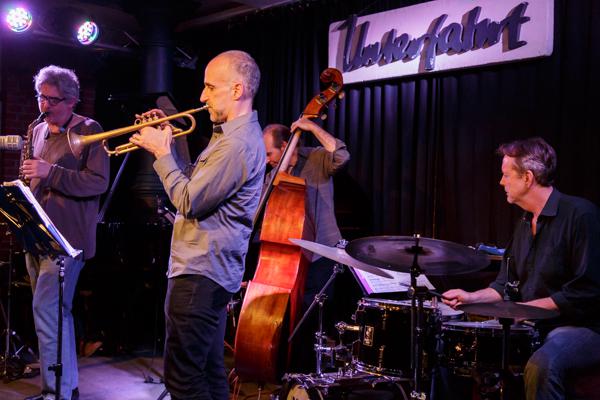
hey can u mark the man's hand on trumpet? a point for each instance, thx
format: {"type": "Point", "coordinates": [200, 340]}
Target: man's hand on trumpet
{"type": "Point", "coordinates": [155, 140]}
{"type": "Point", "coordinates": [155, 113]}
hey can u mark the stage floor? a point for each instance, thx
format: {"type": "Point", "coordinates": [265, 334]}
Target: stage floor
{"type": "Point", "coordinates": [104, 378]}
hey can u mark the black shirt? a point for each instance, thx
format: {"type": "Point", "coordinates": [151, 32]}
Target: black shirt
{"type": "Point", "coordinates": [562, 261]}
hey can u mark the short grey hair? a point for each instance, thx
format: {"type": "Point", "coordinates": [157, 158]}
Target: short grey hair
{"type": "Point", "coordinates": [246, 67]}
{"type": "Point", "coordinates": [532, 154]}
{"type": "Point", "coordinates": [63, 79]}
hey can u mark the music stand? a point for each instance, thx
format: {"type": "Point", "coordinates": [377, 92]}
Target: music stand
{"type": "Point", "coordinates": [39, 237]}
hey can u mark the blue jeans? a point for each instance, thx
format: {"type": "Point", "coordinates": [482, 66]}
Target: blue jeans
{"type": "Point", "coordinates": [43, 273]}
{"type": "Point", "coordinates": [565, 349]}
{"type": "Point", "coordinates": [195, 315]}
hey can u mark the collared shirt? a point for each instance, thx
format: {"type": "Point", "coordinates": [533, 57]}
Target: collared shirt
{"type": "Point", "coordinates": [562, 260]}
{"type": "Point", "coordinates": [70, 194]}
{"type": "Point", "coordinates": [216, 202]}
{"type": "Point", "coordinates": [318, 166]}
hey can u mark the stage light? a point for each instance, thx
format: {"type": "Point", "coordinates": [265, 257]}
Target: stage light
{"type": "Point", "coordinates": [88, 33]}
{"type": "Point", "coordinates": [18, 19]}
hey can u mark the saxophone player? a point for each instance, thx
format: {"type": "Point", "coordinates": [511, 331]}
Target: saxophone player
{"type": "Point", "coordinates": [68, 187]}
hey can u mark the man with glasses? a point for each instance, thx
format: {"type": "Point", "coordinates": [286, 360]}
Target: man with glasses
{"type": "Point", "coordinates": [68, 188]}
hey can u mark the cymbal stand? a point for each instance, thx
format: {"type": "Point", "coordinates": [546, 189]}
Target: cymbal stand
{"type": "Point", "coordinates": [416, 294]}
{"type": "Point", "coordinates": [505, 374]}
{"type": "Point", "coordinates": [320, 336]}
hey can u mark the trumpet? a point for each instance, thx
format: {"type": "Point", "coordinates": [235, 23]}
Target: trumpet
{"type": "Point", "coordinates": [78, 142]}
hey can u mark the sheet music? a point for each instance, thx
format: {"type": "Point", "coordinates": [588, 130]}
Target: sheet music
{"type": "Point", "coordinates": [64, 243]}
{"type": "Point", "coordinates": [400, 282]}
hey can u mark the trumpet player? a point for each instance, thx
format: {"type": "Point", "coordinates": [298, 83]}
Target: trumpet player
{"type": "Point", "coordinates": [215, 204]}
{"type": "Point", "coordinates": [69, 189]}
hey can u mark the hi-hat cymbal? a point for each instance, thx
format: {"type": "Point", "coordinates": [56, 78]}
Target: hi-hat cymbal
{"type": "Point", "coordinates": [436, 257]}
{"type": "Point", "coordinates": [508, 309]}
{"type": "Point", "coordinates": [339, 255]}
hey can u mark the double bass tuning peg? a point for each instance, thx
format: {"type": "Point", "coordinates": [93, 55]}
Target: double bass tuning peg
{"type": "Point", "coordinates": [341, 95]}
{"type": "Point", "coordinates": [323, 117]}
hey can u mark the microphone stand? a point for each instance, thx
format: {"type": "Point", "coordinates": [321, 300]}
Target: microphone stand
{"type": "Point", "coordinates": [58, 367]}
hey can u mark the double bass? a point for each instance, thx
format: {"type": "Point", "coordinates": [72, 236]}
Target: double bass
{"type": "Point", "coordinates": [273, 298]}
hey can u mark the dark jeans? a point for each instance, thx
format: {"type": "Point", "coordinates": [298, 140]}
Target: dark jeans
{"type": "Point", "coordinates": [195, 314]}
{"type": "Point", "coordinates": [565, 349]}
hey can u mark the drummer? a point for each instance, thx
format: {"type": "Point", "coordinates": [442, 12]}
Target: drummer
{"type": "Point", "coordinates": [552, 262]}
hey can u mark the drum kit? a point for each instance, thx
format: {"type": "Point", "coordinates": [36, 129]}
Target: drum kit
{"type": "Point", "coordinates": [406, 341]}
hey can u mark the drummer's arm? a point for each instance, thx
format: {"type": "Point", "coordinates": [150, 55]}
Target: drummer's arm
{"type": "Point", "coordinates": [456, 297]}
{"type": "Point", "coordinates": [544, 302]}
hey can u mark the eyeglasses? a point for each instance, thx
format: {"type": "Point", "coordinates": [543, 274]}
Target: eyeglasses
{"type": "Point", "coordinates": [50, 99]}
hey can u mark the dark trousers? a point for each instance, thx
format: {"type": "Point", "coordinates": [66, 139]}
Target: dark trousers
{"type": "Point", "coordinates": [566, 349]}
{"type": "Point", "coordinates": [195, 314]}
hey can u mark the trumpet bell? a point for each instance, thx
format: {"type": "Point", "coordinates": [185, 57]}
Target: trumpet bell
{"type": "Point", "coordinates": [75, 143]}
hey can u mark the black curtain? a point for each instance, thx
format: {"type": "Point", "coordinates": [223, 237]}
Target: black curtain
{"type": "Point", "coordinates": [423, 147]}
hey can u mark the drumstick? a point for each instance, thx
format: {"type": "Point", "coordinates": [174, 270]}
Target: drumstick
{"type": "Point", "coordinates": [438, 294]}
{"type": "Point", "coordinates": [433, 292]}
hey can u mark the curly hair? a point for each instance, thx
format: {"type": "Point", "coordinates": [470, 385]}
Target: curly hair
{"type": "Point", "coordinates": [63, 79]}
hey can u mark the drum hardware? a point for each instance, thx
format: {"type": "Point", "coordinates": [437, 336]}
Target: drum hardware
{"type": "Point", "coordinates": [13, 365]}
{"type": "Point", "coordinates": [320, 336]}
{"type": "Point", "coordinates": [414, 255]}
{"type": "Point", "coordinates": [382, 344]}
{"type": "Point", "coordinates": [470, 347]}
{"type": "Point", "coordinates": [336, 386]}
{"type": "Point", "coordinates": [417, 295]}
{"type": "Point", "coordinates": [507, 312]}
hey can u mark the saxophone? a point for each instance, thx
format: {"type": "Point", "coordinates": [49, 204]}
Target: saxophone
{"type": "Point", "coordinates": [27, 151]}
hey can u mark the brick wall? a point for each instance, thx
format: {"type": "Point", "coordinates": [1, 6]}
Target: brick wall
{"type": "Point", "coordinates": [19, 108]}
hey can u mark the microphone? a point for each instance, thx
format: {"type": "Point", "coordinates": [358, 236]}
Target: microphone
{"type": "Point", "coordinates": [11, 142]}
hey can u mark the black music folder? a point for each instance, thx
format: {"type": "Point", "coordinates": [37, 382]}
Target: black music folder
{"type": "Point", "coordinates": [30, 223]}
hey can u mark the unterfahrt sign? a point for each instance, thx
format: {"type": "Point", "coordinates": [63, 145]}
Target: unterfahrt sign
{"type": "Point", "coordinates": [440, 35]}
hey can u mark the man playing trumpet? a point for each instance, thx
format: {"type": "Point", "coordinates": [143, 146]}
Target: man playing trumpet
{"type": "Point", "coordinates": [216, 201]}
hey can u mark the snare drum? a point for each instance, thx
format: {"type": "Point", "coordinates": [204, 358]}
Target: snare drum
{"type": "Point", "coordinates": [477, 346]}
{"type": "Point", "coordinates": [384, 345]}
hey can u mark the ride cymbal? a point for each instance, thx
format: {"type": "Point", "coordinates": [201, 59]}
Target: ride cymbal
{"type": "Point", "coordinates": [435, 257]}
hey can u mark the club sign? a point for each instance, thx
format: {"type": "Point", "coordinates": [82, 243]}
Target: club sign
{"type": "Point", "coordinates": [440, 35]}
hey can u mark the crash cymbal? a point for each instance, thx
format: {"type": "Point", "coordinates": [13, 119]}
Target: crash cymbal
{"type": "Point", "coordinates": [436, 257]}
{"type": "Point", "coordinates": [339, 255]}
{"type": "Point", "coordinates": [508, 309]}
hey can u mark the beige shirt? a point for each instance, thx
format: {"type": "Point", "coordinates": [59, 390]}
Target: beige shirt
{"type": "Point", "coordinates": [70, 194]}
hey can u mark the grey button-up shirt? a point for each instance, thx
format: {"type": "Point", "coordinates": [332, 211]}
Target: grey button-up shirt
{"type": "Point", "coordinates": [216, 202]}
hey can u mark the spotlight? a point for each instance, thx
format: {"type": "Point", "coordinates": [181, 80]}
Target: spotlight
{"type": "Point", "coordinates": [88, 33]}
{"type": "Point", "coordinates": [18, 19]}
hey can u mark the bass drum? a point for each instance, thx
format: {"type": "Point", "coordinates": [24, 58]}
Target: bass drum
{"type": "Point", "coordinates": [333, 387]}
